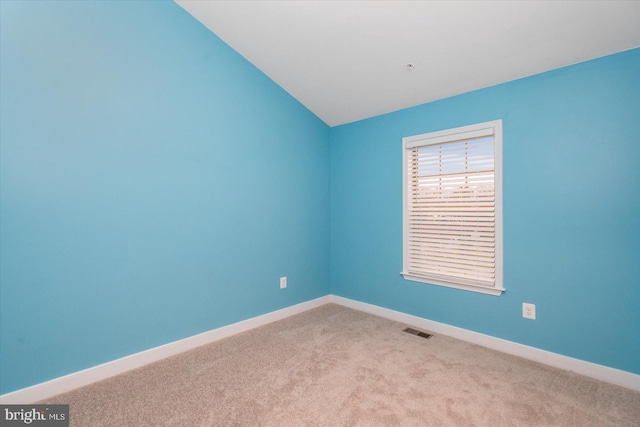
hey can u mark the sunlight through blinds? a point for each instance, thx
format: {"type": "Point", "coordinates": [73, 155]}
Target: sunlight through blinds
{"type": "Point", "coordinates": [451, 208]}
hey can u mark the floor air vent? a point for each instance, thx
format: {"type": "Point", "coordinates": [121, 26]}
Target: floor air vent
{"type": "Point", "coordinates": [417, 332]}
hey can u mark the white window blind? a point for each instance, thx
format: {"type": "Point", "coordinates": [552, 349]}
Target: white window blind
{"type": "Point", "coordinates": [452, 209]}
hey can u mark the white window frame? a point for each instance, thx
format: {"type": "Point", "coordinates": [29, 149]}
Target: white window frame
{"type": "Point", "coordinates": [444, 137]}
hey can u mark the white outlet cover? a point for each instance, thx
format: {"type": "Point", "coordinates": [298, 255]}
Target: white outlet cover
{"type": "Point", "coordinates": [529, 311]}
{"type": "Point", "coordinates": [283, 282]}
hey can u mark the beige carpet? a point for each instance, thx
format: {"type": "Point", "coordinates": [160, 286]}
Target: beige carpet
{"type": "Point", "coordinates": [334, 366]}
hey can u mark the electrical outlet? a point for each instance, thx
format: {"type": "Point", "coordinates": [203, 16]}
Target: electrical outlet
{"type": "Point", "coordinates": [283, 282]}
{"type": "Point", "coordinates": [529, 311]}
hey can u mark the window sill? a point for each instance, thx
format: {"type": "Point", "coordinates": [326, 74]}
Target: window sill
{"type": "Point", "coordinates": [471, 288]}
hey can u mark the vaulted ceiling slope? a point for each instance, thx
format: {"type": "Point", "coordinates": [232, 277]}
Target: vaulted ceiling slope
{"type": "Point", "coordinates": [347, 60]}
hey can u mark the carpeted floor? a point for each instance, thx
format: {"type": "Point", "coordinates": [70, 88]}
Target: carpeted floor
{"type": "Point", "coordinates": [333, 366]}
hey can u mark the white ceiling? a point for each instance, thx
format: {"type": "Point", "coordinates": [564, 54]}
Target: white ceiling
{"type": "Point", "coordinates": [346, 60]}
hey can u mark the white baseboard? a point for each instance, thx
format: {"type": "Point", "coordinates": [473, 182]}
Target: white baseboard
{"type": "Point", "coordinates": [85, 377]}
{"type": "Point", "coordinates": [588, 369]}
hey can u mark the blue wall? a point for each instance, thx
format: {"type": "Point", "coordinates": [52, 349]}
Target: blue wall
{"type": "Point", "coordinates": [571, 153]}
{"type": "Point", "coordinates": [154, 185]}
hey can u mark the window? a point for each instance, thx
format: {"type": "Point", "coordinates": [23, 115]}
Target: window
{"type": "Point", "coordinates": [452, 208]}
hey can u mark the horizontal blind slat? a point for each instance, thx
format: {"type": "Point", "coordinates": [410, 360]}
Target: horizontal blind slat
{"type": "Point", "coordinates": [454, 272]}
{"type": "Point", "coordinates": [488, 283]}
{"type": "Point", "coordinates": [457, 259]}
{"type": "Point", "coordinates": [450, 232]}
{"type": "Point", "coordinates": [470, 246]}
